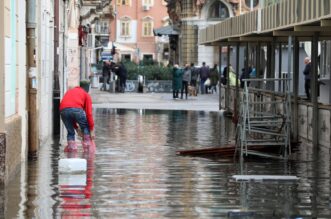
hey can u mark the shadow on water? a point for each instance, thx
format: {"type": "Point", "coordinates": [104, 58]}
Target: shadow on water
{"type": "Point", "coordinates": [135, 173]}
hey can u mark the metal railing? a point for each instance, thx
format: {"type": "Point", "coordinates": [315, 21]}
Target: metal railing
{"type": "Point", "coordinates": [276, 16]}
{"type": "Point", "coordinates": [264, 123]}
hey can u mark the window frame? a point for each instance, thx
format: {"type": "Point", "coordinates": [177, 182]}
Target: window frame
{"type": "Point", "coordinates": [147, 21]}
{"type": "Point", "coordinates": [127, 28]}
{"type": "Point", "coordinates": [126, 2]}
{"type": "Point", "coordinates": [148, 3]}
{"type": "Point", "coordinates": [249, 5]}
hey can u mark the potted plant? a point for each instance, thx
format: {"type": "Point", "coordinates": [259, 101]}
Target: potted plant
{"type": "Point", "coordinates": [85, 84]}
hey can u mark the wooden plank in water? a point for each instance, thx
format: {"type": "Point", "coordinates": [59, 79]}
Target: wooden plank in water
{"type": "Point", "coordinates": [263, 177]}
{"type": "Point", "coordinates": [224, 150]}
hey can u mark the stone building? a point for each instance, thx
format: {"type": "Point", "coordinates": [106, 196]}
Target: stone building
{"type": "Point", "coordinates": [190, 16]}
{"type": "Point", "coordinates": [132, 28]}
{"type": "Point", "coordinates": [94, 32]}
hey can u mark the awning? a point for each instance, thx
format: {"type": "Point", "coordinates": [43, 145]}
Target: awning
{"type": "Point", "coordinates": [123, 48]}
{"type": "Point", "coordinates": [167, 30]}
{"type": "Point", "coordinates": [119, 46]}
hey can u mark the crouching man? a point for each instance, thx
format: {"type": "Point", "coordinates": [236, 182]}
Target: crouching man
{"type": "Point", "coordinates": [76, 114]}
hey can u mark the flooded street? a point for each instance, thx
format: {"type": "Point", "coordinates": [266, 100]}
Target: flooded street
{"type": "Point", "coordinates": [135, 173]}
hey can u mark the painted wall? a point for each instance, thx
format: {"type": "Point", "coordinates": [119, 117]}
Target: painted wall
{"type": "Point", "coordinates": [22, 72]}
{"type": "Point", "coordinates": [10, 58]}
{"type": "Point", "coordinates": [13, 59]}
{"type": "Point", "coordinates": [45, 63]}
{"type": "Point", "coordinates": [136, 12]}
{"type": "Point", "coordinates": [2, 69]}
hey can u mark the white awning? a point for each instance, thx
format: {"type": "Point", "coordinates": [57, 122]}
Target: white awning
{"type": "Point", "coordinates": [119, 46]}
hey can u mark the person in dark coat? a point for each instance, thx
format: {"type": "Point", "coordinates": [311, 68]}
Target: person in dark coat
{"type": "Point", "coordinates": [177, 75]}
{"type": "Point", "coordinates": [204, 75]}
{"type": "Point", "coordinates": [105, 75]}
{"type": "Point", "coordinates": [214, 77]}
{"type": "Point", "coordinates": [307, 73]}
{"type": "Point", "coordinates": [185, 80]}
{"type": "Point", "coordinates": [123, 75]}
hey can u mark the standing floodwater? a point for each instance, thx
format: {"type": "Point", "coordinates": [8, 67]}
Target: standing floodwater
{"type": "Point", "coordinates": [135, 173]}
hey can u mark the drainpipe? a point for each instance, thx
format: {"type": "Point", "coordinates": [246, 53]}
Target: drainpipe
{"type": "Point", "coordinates": [63, 73]}
{"type": "Point", "coordinates": [32, 101]}
{"type": "Point", "coordinates": [56, 85]}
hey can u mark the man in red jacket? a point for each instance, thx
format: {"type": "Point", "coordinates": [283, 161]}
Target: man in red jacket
{"type": "Point", "coordinates": [76, 108]}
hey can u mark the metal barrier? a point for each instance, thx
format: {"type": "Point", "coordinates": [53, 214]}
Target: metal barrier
{"type": "Point", "coordinates": [264, 123]}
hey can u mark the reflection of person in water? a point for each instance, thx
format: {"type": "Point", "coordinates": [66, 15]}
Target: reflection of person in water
{"type": "Point", "coordinates": [76, 198]}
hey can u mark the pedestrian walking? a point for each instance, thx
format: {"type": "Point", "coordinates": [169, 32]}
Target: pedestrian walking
{"type": "Point", "coordinates": [76, 114]}
{"type": "Point", "coordinates": [233, 77]}
{"type": "Point", "coordinates": [123, 74]}
{"type": "Point", "coordinates": [177, 75]}
{"type": "Point", "coordinates": [204, 75]}
{"type": "Point", "coordinates": [214, 77]}
{"type": "Point", "coordinates": [194, 79]}
{"type": "Point", "coordinates": [186, 79]}
{"type": "Point", "coordinates": [105, 75]}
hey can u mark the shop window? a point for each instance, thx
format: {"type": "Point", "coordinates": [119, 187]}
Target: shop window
{"type": "Point", "coordinates": [126, 57]}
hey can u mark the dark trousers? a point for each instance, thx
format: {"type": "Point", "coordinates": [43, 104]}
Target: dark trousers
{"type": "Point", "coordinates": [104, 84]}
{"type": "Point", "coordinates": [202, 86]}
{"type": "Point", "coordinates": [184, 87]}
{"type": "Point", "coordinates": [70, 116]}
{"type": "Point", "coordinates": [175, 93]}
{"type": "Point", "coordinates": [122, 84]}
{"type": "Point", "coordinates": [307, 88]}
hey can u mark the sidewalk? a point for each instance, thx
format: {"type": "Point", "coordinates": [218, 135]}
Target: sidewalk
{"type": "Point", "coordinates": [162, 101]}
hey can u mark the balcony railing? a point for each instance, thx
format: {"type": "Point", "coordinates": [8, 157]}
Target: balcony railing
{"type": "Point", "coordinates": [279, 15]}
{"type": "Point", "coordinates": [98, 29]}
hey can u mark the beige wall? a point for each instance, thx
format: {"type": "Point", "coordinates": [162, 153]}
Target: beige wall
{"type": "Point", "coordinates": [14, 146]}
{"type": "Point", "coordinates": [2, 70]}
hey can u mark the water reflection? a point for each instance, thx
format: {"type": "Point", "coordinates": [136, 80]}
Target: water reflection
{"type": "Point", "coordinates": [135, 173]}
{"type": "Point", "coordinates": [75, 190]}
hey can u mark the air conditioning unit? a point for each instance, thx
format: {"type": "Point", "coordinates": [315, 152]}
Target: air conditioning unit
{"type": "Point", "coordinates": [146, 7]}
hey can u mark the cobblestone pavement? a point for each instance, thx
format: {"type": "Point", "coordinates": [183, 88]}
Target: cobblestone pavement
{"type": "Point", "coordinates": [104, 99]}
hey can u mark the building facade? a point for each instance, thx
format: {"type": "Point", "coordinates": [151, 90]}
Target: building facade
{"type": "Point", "coordinates": [302, 28]}
{"type": "Point", "coordinates": [94, 32]}
{"type": "Point", "coordinates": [132, 29]}
{"type": "Point", "coordinates": [39, 60]}
{"type": "Point", "coordinates": [13, 105]}
{"type": "Point", "coordinates": [190, 16]}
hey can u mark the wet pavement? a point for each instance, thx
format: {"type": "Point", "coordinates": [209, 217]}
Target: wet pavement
{"type": "Point", "coordinates": [162, 101]}
{"type": "Point", "coordinates": [135, 172]}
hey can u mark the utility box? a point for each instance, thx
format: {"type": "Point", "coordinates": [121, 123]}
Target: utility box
{"type": "Point", "coordinates": [112, 85]}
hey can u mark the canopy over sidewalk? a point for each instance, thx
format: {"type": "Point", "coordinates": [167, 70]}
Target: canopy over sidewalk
{"type": "Point", "coordinates": [167, 30]}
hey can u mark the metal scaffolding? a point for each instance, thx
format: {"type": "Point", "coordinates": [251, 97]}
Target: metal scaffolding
{"type": "Point", "coordinates": [265, 121]}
